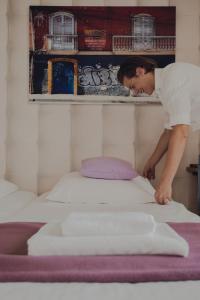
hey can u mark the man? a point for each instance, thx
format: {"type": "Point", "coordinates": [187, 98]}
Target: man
{"type": "Point", "coordinates": [178, 88]}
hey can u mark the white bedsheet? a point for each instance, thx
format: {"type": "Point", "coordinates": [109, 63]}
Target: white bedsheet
{"type": "Point", "coordinates": [42, 210]}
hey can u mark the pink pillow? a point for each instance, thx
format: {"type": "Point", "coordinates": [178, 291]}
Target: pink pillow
{"type": "Point", "coordinates": [107, 168]}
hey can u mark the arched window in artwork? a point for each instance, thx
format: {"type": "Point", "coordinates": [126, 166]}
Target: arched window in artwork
{"type": "Point", "coordinates": [62, 30]}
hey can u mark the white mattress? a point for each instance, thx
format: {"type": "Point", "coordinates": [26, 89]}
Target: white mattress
{"type": "Point", "coordinates": [41, 210]}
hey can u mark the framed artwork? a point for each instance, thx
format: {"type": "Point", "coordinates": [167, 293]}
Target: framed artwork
{"type": "Point", "coordinates": [77, 50]}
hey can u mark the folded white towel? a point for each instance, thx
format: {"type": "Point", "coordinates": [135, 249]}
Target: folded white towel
{"type": "Point", "coordinates": [105, 223]}
{"type": "Point", "coordinates": [50, 241]}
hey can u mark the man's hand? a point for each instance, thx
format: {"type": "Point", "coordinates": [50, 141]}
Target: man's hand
{"type": "Point", "coordinates": [163, 193]}
{"type": "Point", "coordinates": [149, 170]}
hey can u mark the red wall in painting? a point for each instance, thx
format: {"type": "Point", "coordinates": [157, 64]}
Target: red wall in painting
{"type": "Point", "coordinates": [113, 20]}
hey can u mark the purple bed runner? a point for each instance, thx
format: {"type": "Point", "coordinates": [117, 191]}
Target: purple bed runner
{"type": "Point", "coordinates": [16, 266]}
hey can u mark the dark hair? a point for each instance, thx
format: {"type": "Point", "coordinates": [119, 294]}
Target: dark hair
{"type": "Point", "coordinates": [128, 67]}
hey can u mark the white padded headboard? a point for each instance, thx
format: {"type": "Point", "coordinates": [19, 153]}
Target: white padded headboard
{"type": "Point", "coordinates": [70, 133]}
{"type": "Point", "coordinates": [44, 141]}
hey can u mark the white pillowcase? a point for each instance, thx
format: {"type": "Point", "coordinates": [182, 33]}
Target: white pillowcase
{"type": "Point", "coordinates": [75, 189]}
{"type": "Point", "coordinates": [7, 187]}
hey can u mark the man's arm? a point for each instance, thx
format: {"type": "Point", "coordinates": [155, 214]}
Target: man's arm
{"type": "Point", "coordinates": [176, 146]}
{"type": "Point", "coordinates": [161, 148]}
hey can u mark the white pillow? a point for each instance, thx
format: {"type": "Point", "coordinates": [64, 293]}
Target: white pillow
{"type": "Point", "coordinates": [75, 189]}
{"type": "Point", "coordinates": [7, 187]}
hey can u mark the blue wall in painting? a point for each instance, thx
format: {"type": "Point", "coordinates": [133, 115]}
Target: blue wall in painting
{"type": "Point", "coordinates": [63, 78]}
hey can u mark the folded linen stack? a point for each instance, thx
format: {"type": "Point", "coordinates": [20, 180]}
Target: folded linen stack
{"type": "Point", "coordinates": [105, 223]}
{"type": "Point", "coordinates": [107, 234]}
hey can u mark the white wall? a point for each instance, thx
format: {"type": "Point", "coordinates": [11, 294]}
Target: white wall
{"type": "Point", "coordinates": [43, 141]}
{"type": "Point", "coordinates": [3, 83]}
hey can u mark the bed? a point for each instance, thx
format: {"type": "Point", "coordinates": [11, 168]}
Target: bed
{"type": "Point", "coordinates": [43, 210]}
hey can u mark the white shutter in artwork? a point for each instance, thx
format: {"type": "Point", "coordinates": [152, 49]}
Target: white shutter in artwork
{"type": "Point", "coordinates": [57, 25]}
{"type": "Point", "coordinates": [62, 31]}
{"type": "Point", "coordinates": [67, 24]}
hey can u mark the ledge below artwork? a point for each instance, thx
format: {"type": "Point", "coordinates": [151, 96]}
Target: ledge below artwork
{"type": "Point", "coordinates": [90, 99]}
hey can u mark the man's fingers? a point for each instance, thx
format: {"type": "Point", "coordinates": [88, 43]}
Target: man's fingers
{"type": "Point", "coordinates": [144, 174]}
{"type": "Point", "coordinates": [148, 173]}
{"type": "Point", "coordinates": [166, 201]}
{"type": "Point", "coordinates": [151, 174]}
{"type": "Point", "coordinates": [161, 199]}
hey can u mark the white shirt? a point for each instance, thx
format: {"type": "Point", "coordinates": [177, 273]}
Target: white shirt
{"type": "Point", "coordinates": [178, 88]}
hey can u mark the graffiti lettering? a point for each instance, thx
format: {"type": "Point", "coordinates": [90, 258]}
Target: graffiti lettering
{"type": "Point", "coordinates": [90, 76]}
{"type": "Point", "coordinates": [99, 80]}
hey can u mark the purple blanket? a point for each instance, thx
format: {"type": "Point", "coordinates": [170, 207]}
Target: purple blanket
{"type": "Point", "coordinates": [136, 268]}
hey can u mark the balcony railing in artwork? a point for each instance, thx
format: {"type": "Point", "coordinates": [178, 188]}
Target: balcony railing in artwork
{"type": "Point", "coordinates": [143, 43]}
{"type": "Point", "coordinates": [64, 42]}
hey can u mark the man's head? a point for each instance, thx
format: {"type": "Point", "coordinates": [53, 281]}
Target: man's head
{"type": "Point", "coordinates": [137, 74]}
